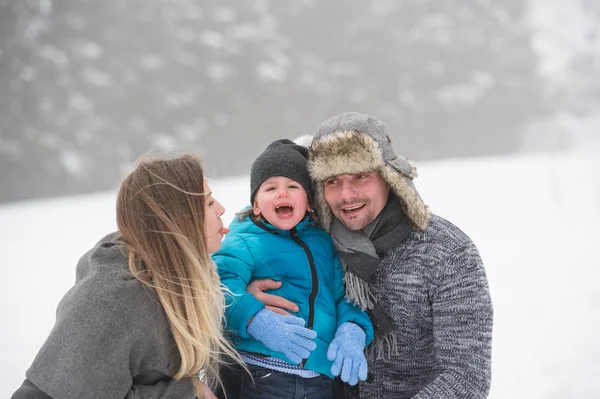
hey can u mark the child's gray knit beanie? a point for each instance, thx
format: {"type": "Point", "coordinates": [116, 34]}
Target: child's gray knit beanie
{"type": "Point", "coordinates": [281, 158]}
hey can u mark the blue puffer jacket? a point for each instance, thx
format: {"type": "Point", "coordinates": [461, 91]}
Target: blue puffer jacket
{"type": "Point", "coordinates": [302, 258]}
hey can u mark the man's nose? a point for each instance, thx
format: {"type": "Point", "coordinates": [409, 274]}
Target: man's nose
{"type": "Point", "coordinates": [348, 192]}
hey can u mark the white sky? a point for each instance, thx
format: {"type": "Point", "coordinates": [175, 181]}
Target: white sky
{"type": "Point", "coordinates": [533, 217]}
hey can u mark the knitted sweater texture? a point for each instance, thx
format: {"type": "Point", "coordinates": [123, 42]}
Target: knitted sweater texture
{"type": "Point", "coordinates": [433, 286]}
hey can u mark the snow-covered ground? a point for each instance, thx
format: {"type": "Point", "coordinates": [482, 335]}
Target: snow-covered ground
{"type": "Point", "coordinates": [533, 218]}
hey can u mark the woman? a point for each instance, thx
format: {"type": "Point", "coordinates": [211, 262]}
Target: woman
{"type": "Point", "coordinates": [144, 317]}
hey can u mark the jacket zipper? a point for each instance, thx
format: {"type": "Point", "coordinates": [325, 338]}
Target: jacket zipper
{"type": "Point", "coordinates": [315, 281]}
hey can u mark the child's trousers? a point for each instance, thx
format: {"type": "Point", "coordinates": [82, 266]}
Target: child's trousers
{"type": "Point", "coordinates": [271, 384]}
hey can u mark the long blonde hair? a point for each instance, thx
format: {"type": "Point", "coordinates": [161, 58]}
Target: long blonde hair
{"type": "Point", "coordinates": [160, 215]}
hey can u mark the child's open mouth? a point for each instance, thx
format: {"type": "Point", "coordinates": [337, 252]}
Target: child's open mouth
{"type": "Point", "coordinates": [284, 210]}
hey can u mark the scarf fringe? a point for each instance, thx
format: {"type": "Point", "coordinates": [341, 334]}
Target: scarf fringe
{"type": "Point", "coordinates": [358, 291]}
{"type": "Point", "coordinates": [382, 347]}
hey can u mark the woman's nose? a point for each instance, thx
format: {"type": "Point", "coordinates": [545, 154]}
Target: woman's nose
{"type": "Point", "coordinates": [220, 209]}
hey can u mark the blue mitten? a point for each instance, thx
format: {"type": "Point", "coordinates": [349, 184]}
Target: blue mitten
{"type": "Point", "coordinates": [347, 352]}
{"type": "Point", "coordinates": [285, 334]}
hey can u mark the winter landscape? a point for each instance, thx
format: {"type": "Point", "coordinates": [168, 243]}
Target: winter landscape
{"type": "Point", "coordinates": [497, 103]}
{"type": "Point", "coordinates": [533, 217]}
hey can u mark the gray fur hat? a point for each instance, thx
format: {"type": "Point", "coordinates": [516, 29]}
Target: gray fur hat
{"type": "Point", "coordinates": [352, 143]}
{"type": "Point", "coordinates": [281, 158]}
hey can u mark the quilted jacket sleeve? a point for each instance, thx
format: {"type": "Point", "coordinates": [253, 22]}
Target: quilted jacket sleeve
{"type": "Point", "coordinates": [235, 265]}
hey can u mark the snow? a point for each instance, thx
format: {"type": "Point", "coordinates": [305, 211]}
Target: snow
{"type": "Point", "coordinates": [533, 218]}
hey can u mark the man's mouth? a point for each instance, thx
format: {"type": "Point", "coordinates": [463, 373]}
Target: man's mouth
{"type": "Point", "coordinates": [354, 208]}
{"type": "Point", "coordinates": [284, 210]}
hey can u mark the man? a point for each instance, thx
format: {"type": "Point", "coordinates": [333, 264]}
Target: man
{"type": "Point", "coordinates": [420, 278]}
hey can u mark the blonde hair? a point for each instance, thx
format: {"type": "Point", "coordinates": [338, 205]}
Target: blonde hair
{"type": "Point", "coordinates": [160, 216]}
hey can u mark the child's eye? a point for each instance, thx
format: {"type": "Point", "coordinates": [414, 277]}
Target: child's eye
{"type": "Point", "coordinates": [293, 186]}
{"type": "Point", "coordinates": [269, 188]}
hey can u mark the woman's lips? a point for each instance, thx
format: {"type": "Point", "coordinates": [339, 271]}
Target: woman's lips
{"type": "Point", "coordinates": [224, 230]}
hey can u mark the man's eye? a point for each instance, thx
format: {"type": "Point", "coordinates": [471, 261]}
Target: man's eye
{"type": "Point", "coordinates": [330, 182]}
{"type": "Point", "coordinates": [362, 176]}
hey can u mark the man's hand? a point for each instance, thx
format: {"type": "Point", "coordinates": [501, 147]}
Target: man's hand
{"type": "Point", "coordinates": [274, 303]}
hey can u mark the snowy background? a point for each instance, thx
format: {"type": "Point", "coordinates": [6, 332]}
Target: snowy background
{"type": "Point", "coordinates": [533, 217]}
{"type": "Point", "coordinates": [497, 102]}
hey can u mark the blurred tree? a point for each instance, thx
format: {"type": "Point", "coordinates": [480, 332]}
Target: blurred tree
{"type": "Point", "coordinates": [87, 86]}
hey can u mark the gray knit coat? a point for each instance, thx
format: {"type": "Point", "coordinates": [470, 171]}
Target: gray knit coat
{"type": "Point", "coordinates": [433, 285]}
{"type": "Point", "coordinates": [111, 338]}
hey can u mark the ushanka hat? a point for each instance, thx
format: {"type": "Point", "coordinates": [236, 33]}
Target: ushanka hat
{"type": "Point", "coordinates": [281, 158]}
{"type": "Point", "coordinates": [351, 143]}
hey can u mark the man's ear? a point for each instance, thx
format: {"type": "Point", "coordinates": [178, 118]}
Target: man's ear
{"type": "Point", "coordinates": [309, 208]}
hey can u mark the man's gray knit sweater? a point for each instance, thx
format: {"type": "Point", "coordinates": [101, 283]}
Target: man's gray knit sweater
{"type": "Point", "coordinates": [433, 285]}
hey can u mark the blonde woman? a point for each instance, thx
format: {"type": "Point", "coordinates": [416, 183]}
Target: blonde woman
{"type": "Point", "coordinates": [144, 317]}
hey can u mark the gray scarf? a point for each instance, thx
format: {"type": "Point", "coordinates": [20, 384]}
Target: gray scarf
{"type": "Point", "coordinates": [360, 254]}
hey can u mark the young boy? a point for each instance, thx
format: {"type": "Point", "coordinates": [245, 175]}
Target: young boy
{"type": "Point", "coordinates": [278, 238]}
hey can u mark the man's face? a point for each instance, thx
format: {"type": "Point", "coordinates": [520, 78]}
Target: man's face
{"type": "Point", "coordinates": [357, 199]}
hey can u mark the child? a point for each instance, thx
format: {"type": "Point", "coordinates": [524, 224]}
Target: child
{"type": "Point", "coordinates": [278, 239]}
